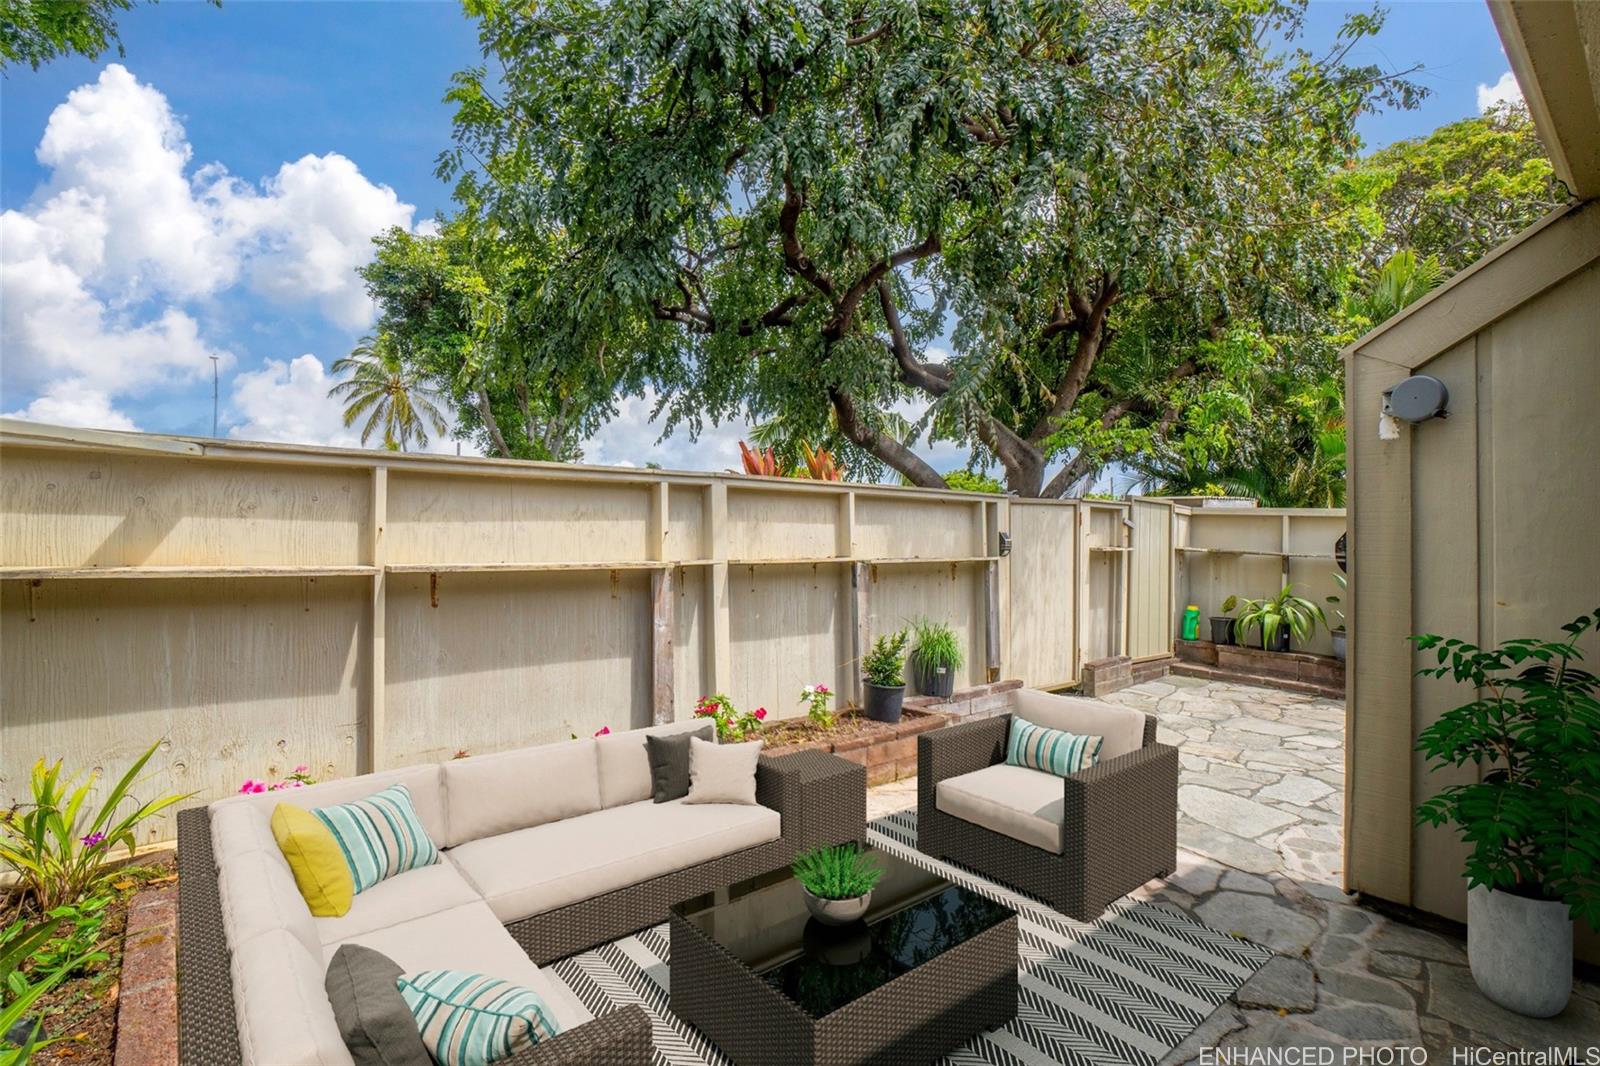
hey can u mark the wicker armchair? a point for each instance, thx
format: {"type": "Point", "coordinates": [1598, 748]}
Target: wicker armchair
{"type": "Point", "coordinates": [1119, 820]}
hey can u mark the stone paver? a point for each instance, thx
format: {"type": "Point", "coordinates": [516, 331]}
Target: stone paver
{"type": "Point", "coordinates": [1260, 834]}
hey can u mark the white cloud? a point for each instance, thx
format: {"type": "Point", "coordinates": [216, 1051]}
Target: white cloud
{"type": "Point", "coordinates": [1504, 91]}
{"type": "Point", "coordinates": [96, 270]}
{"type": "Point", "coordinates": [630, 439]}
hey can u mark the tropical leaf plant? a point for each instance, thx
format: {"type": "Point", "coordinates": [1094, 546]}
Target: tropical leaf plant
{"type": "Point", "coordinates": [761, 462]}
{"type": "Point", "coordinates": [59, 843]}
{"type": "Point", "coordinates": [838, 871]}
{"type": "Point", "coordinates": [19, 992]}
{"type": "Point", "coordinates": [821, 464]}
{"type": "Point", "coordinates": [1283, 611]}
{"type": "Point", "coordinates": [391, 395]}
{"type": "Point", "coordinates": [1532, 729]}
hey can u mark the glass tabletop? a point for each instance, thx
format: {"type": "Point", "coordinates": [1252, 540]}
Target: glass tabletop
{"type": "Point", "coordinates": [915, 916]}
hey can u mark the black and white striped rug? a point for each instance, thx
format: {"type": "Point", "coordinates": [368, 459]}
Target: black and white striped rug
{"type": "Point", "coordinates": [1123, 990]}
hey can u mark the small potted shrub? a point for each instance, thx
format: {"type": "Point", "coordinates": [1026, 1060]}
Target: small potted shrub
{"type": "Point", "coordinates": [1279, 618]}
{"type": "Point", "coordinates": [1338, 632]}
{"type": "Point", "coordinates": [1532, 818]}
{"type": "Point", "coordinates": [884, 672]}
{"type": "Point", "coordinates": [837, 881]}
{"type": "Point", "coordinates": [1222, 624]}
{"type": "Point", "coordinates": [935, 658]}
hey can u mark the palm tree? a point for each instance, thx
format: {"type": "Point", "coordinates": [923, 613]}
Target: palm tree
{"type": "Point", "coordinates": [390, 394]}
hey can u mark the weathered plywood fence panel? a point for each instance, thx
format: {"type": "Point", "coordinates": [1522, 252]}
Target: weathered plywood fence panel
{"type": "Point", "coordinates": [255, 607]}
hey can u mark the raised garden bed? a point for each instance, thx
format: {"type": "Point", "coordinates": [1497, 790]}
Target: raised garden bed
{"type": "Point", "coordinates": [1297, 670]}
{"type": "Point", "coordinates": [889, 752]}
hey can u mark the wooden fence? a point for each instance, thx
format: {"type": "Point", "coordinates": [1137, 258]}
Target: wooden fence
{"type": "Point", "coordinates": [258, 606]}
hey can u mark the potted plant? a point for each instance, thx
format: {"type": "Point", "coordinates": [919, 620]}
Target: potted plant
{"type": "Point", "coordinates": [935, 658]}
{"type": "Point", "coordinates": [837, 881]}
{"type": "Point", "coordinates": [884, 671]}
{"type": "Point", "coordinates": [1338, 632]}
{"type": "Point", "coordinates": [1279, 618]}
{"type": "Point", "coordinates": [1222, 624]}
{"type": "Point", "coordinates": [1532, 817]}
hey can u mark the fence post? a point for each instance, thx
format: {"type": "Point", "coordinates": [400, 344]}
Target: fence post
{"type": "Point", "coordinates": [374, 752]}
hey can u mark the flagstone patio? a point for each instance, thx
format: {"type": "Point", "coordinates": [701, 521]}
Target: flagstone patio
{"type": "Point", "coordinates": [1260, 839]}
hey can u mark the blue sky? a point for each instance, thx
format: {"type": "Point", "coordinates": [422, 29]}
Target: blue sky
{"type": "Point", "coordinates": [209, 193]}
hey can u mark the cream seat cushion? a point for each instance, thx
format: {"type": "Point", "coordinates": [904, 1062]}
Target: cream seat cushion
{"type": "Point", "coordinates": [413, 894]}
{"type": "Point", "coordinates": [548, 866]}
{"type": "Point", "coordinates": [493, 794]}
{"type": "Point", "coordinates": [471, 939]}
{"type": "Point", "coordinates": [1121, 727]}
{"type": "Point", "coordinates": [427, 798]}
{"type": "Point", "coordinates": [1023, 804]}
{"type": "Point", "coordinates": [283, 1014]}
{"type": "Point", "coordinates": [258, 895]}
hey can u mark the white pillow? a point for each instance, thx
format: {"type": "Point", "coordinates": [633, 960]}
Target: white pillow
{"type": "Point", "coordinates": [722, 773]}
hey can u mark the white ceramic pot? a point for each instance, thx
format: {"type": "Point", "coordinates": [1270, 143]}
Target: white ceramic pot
{"type": "Point", "coordinates": [837, 911]}
{"type": "Point", "coordinates": [1520, 951]}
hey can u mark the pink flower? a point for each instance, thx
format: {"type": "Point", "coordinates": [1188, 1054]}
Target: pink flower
{"type": "Point", "coordinates": [703, 710]}
{"type": "Point", "coordinates": [251, 786]}
{"type": "Point", "coordinates": [302, 769]}
{"type": "Point", "coordinates": [94, 840]}
{"type": "Point", "coordinates": [603, 731]}
{"type": "Point", "coordinates": [277, 786]}
{"type": "Point", "coordinates": [294, 784]}
{"type": "Point", "coordinates": [823, 689]}
{"type": "Point", "coordinates": [761, 713]}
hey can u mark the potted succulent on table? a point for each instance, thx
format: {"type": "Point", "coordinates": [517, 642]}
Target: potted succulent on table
{"type": "Point", "coordinates": [1337, 633]}
{"type": "Point", "coordinates": [884, 671]}
{"type": "Point", "coordinates": [1279, 618]}
{"type": "Point", "coordinates": [837, 881]}
{"type": "Point", "coordinates": [935, 658]}
{"type": "Point", "coordinates": [1532, 818]}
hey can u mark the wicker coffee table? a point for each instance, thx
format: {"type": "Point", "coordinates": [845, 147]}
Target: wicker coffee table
{"type": "Point", "coordinates": [930, 966]}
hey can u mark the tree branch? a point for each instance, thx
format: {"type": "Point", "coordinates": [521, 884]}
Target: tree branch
{"type": "Point", "coordinates": [793, 254]}
{"type": "Point", "coordinates": [931, 379]}
{"type": "Point", "coordinates": [1091, 325]}
{"type": "Point", "coordinates": [481, 394]}
{"type": "Point", "coordinates": [880, 444]}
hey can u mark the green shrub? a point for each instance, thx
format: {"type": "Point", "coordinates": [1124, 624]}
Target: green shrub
{"type": "Point", "coordinates": [884, 665]}
{"type": "Point", "coordinates": [839, 871]}
{"type": "Point", "coordinates": [19, 942]}
{"type": "Point", "coordinates": [934, 645]}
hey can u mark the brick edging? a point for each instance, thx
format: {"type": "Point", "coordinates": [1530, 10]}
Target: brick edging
{"type": "Point", "coordinates": [147, 996]}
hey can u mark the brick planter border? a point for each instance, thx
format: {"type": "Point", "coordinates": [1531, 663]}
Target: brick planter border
{"type": "Point", "coordinates": [147, 1000]}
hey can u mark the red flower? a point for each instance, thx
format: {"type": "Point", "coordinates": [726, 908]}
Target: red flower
{"type": "Point", "coordinates": [603, 731]}
{"type": "Point", "coordinates": [761, 713]}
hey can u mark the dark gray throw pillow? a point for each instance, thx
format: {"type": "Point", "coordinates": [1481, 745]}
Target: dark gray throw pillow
{"type": "Point", "coordinates": [377, 1026]}
{"type": "Point", "coordinates": [669, 762]}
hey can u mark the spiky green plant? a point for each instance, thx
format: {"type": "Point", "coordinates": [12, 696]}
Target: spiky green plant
{"type": "Point", "coordinates": [935, 644]}
{"type": "Point", "coordinates": [837, 871]}
{"type": "Point", "coordinates": [884, 665]}
{"type": "Point", "coordinates": [1285, 610]}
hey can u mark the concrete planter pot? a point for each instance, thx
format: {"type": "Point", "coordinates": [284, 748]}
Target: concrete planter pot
{"type": "Point", "coordinates": [1520, 951]}
{"type": "Point", "coordinates": [1339, 636]}
{"type": "Point", "coordinates": [836, 911]}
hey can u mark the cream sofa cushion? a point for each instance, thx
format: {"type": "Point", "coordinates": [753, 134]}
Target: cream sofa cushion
{"type": "Point", "coordinates": [471, 939]}
{"type": "Point", "coordinates": [1122, 727]}
{"type": "Point", "coordinates": [722, 773]}
{"type": "Point", "coordinates": [413, 894]}
{"type": "Point", "coordinates": [237, 829]}
{"type": "Point", "coordinates": [493, 794]}
{"type": "Point", "coordinates": [427, 797]}
{"type": "Point", "coordinates": [258, 895]}
{"type": "Point", "coordinates": [624, 766]}
{"type": "Point", "coordinates": [1023, 804]}
{"type": "Point", "coordinates": [548, 866]}
{"type": "Point", "coordinates": [283, 1014]}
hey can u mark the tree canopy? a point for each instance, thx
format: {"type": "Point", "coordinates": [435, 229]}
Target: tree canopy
{"type": "Point", "coordinates": [772, 212]}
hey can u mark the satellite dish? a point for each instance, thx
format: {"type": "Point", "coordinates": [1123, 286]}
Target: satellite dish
{"type": "Point", "coordinates": [1416, 399]}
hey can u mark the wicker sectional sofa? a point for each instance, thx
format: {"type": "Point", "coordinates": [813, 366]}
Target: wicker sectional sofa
{"type": "Point", "coordinates": [546, 851]}
{"type": "Point", "coordinates": [1078, 842]}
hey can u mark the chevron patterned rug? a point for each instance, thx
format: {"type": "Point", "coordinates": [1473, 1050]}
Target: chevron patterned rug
{"type": "Point", "coordinates": [1120, 991]}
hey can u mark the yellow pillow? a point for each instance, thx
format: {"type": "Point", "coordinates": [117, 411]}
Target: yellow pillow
{"type": "Point", "coordinates": [320, 870]}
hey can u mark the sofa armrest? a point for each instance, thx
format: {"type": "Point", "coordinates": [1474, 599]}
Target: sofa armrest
{"type": "Point", "coordinates": [1126, 798]}
{"type": "Point", "coordinates": [821, 798]}
{"type": "Point", "coordinates": [961, 749]}
{"type": "Point", "coordinates": [621, 1038]}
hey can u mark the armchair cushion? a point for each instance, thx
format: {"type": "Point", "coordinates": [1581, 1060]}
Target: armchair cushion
{"type": "Point", "coordinates": [1122, 727]}
{"type": "Point", "coordinates": [1055, 751]}
{"type": "Point", "coordinates": [1023, 804]}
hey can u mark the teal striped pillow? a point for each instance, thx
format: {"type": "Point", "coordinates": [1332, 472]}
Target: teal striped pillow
{"type": "Point", "coordinates": [1054, 751]}
{"type": "Point", "coordinates": [467, 1019]}
{"type": "Point", "coordinates": [380, 836]}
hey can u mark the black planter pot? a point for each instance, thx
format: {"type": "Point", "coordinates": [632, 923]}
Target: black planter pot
{"type": "Point", "coordinates": [883, 703]}
{"type": "Point", "coordinates": [1280, 644]}
{"type": "Point", "coordinates": [1221, 629]}
{"type": "Point", "coordinates": [933, 680]}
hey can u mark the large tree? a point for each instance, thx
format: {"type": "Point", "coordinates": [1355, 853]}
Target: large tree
{"type": "Point", "coordinates": [794, 198]}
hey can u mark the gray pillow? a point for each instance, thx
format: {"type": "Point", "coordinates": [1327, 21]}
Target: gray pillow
{"type": "Point", "coordinates": [377, 1026]}
{"type": "Point", "coordinates": [669, 762]}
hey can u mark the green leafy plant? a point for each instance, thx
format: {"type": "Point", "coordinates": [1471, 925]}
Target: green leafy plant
{"type": "Point", "coordinates": [838, 871]}
{"type": "Point", "coordinates": [19, 991]}
{"type": "Point", "coordinates": [58, 844]}
{"type": "Point", "coordinates": [1334, 601]}
{"type": "Point", "coordinates": [816, 699]}
{"type": "Point", "coordinates": [732, 724]}
{"type": "Point", "coordinates": [935, 644]}
{"type": "Point", "coordinates": [1285, 610]}
{"type": "Point", "coordinates": [79, 939]}
{"type": "Point", "coordinates": [1533, 732]}
{"type": "Point", "coordinates": [884, 665]}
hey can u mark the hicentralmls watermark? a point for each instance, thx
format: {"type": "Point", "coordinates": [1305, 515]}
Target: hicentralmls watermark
{"type": "Point", "coordinates": [1398, 1056]}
